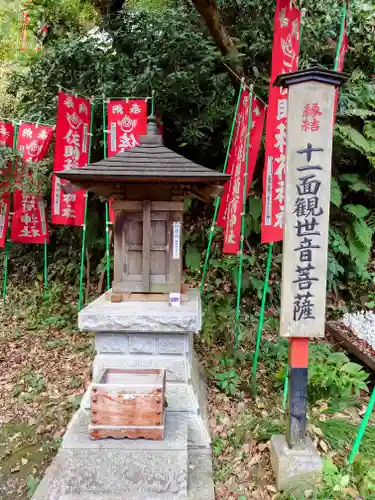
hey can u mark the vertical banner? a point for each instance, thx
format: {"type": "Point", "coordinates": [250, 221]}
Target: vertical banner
{"type": "Point", "coordinates": [71, 150]}
{"type": "Point", "coordinates": [6, 141]}
{"type": "Point", "coordinates": [232, 202]}
{"type": "Point", "coordinates": [29, 223]}
{"type": "Point", "coordinates": [285, 53]}
{"type": "Point", "coordinates": [127, 123]}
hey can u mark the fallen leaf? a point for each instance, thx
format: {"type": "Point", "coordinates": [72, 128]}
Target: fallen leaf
{"type": "Point", "coordinates": [24, 461]}
{"type": "Point", "coordinates": [271, 488]}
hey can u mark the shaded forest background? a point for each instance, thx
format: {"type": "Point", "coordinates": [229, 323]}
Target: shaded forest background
{"type": "Point", "coordinates": [183, 51]}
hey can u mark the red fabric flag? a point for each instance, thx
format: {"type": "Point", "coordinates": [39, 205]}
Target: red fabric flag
{"type": "Point", "coordinates": [6, 140]}
{"type": "Point", "coordinates": [71, 150]}
{"type": "Point", "coordinates": [232, 204]}
{"type": "Point", "coordinates": [285, 53]}
{"type": "Point", "coordinates": [340, 66]}
{"type": "Point", "coordinates": [127, 122]}
{"type": "Point", "coordinates": [29, 222]}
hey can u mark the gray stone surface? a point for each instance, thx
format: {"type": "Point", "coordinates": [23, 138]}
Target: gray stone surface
{"type": "Point", "coordinates": [142, 343]}
{"type": "Point", "coordinates": [140, 469]}
{"type": "Point", "coordinates": [136, 316]}
{"type": "Point", "coordinates": [76, 437]}
{"type": "Point", "coordinates": [296, 470]}
{"type": "Point", "coordinates": [200, 481]}
{"type": "Point", "coordinates": [177, 367]}
{"type": "Point", "coordinates": [142, 475]}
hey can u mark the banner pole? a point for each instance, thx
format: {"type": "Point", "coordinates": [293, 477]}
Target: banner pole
{"type": "Point", "coordinates": [243, 220]}
{"type": "Point", "coordinates": [81, 273]}
{"type": "Point", "coordinates": [7, 242]}
{"type": "Point", "coordinates": [362, 428]}
{"type": "Point", "coordinates": [107, 221]}
{"type": "Point", "coordinates": [217, 200]}
{"type": "Point", "coordinates": [45, 264]}
{"type": "Point", "coordinates": [261, 319]}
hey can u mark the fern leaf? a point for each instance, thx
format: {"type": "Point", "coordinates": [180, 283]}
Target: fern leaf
{"type": "Point", "coordinates": [363, 233]}
{"type": "Point", "coordinates": [336, 195]}
{"type": "Point", "coordinates": [360, 113]}
{"type": "Point", "coordinates": [356, 184]}
{"type": "Point", "coordinates": [360, 254]}
{"type": "Point", "coordinates": [352, 138]}
{"type": "Point", "coordinates": [359, 211]}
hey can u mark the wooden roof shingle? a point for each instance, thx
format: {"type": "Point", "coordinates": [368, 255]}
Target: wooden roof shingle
{"type": "Point", "coordinates": [149, 162]}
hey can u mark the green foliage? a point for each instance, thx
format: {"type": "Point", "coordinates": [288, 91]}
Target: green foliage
{"type": "Point", "coordinates": [332, 376]}
{"type": "Point", "coordinates": [32, 484]}
{"type": "Point", "coordinates": [228, 381]}
{"type": "Point", "coordinates": [340, 435]}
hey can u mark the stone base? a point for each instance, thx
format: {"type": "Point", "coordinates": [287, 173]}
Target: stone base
{"type": "Point", "coordinates": [296, 470]}
{"type": "Point", "coordinates": [127, 469]}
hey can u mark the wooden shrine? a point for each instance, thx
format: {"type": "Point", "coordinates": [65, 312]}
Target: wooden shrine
{"type": "Point", "coordinates": [149, 184]}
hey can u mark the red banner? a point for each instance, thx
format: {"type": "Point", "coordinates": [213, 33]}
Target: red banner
{"type": "Point", "coordinates": [231, 206]}
{"type": "Point", "coordinates": [71, 150]}
{"type": "Point", "coordinates": [127, 122]}
{"type": "Point", "coordinates": [285, 53]}
{"type": "Point", "coordinates": [29, 222]}
{"type": "Point", "coordinates": [6, 140]}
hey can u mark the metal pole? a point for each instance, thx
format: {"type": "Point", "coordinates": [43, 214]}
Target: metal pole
{"type": "Point", "coordinates": [362, 428]}
{"type": "Point", "coordinates": [7, 241]}
{"type": "Point", "coordinates": [240, 267]}
{"type": "Point", "coordinates": [261, 319]}
{"type": "Point", "coordinates": [217, 201]}
{"type": "Point", "coordinates": [80, 300]}
{"type": "Point", "coordinates": [107, 221]}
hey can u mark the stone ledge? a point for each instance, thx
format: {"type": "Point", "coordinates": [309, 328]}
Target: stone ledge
{"type": "Point", "coordinates": [136, 316]}
{"type": "Point", "coordinates": [177, 367]}
{"type": "Point", "coordinates": [76, 437]}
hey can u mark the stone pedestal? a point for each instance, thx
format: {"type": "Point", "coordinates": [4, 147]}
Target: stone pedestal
{"type": "Point", "coordinates": [140, 335]}
{"type": "Point", "coordinates": [298, 469]}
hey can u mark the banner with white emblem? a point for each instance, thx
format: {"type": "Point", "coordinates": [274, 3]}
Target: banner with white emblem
{"type": "Point", "coordinates": [29, 223]}
{"type": "Point", "coordinates": [71, 150]}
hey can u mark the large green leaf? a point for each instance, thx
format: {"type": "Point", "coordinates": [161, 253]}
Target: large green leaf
{"type": "Point", "coordinates": [336, 195]}
{"type": "Point", "coordinates": [193, 257]}
{"type": "Point", "coordinates": [355, 182]}
{"type": "Point", "coordinates": [359, 211]}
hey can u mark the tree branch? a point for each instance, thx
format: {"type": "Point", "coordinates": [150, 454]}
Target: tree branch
{"type": "Point", "coordinates": [209, 11]}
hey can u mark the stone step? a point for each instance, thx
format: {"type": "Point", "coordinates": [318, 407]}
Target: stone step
{"type": "Point", "coordinates": [200, 483]}
{"type": "Point", "coordinates": [139, 469]}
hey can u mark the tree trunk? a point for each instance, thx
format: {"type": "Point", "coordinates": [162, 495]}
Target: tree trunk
{"type": "Point", "coordinates": [210, 13]}
{"type": "Point", "coordinates": [105, 7]}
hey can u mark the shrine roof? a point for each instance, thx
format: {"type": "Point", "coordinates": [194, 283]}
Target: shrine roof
{"type": "Point", "coordinates": [149, 162]}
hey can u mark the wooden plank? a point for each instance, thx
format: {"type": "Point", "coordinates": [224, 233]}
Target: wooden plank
{"type": "Point", "coordinates": [127, 205]}
{"type": "Point", "coordinates": [343, 340]}
{"type": "Point", "coordinates": [155, 205]}
{"type": "Point", "coordinates": [102, 432]}
{"type": "Point", "coordinates": [167, 206]}
{"type": "Point", "coordinates": [146, 245]}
